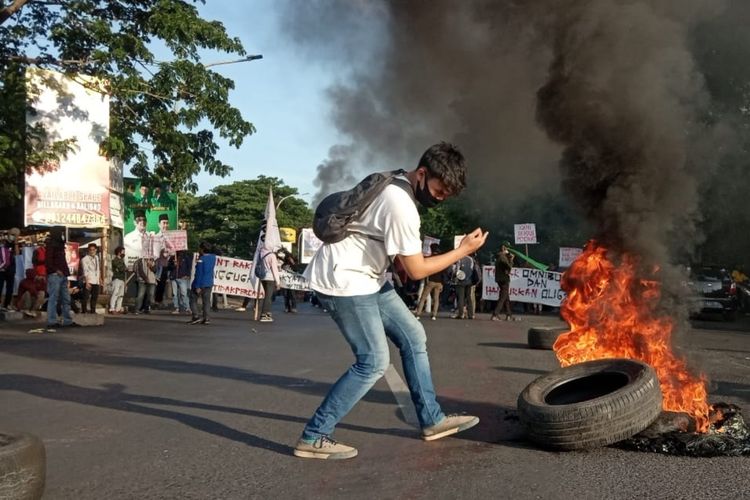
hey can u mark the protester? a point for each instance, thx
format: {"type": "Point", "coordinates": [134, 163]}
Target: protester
{"type": "Point", "coordinates": [8, 252]}
{"type": "Point", "coordinates": [162, 275]}
{"type": "Point", "coordinates": [462, 281]}
{"type": "Point", "coordinates": [215, 250]}
{"type": "Point", "coordinates": [202, 284]}
{"type": "Point", "coordinates": [290, 301]}
{"type": "Point", "coordinates": [145, 275]}
{"type": "Point", "coordinates": [37, 259]}
{"type": "Point", "coordinates": [270, 281]}
{"type": "Point", "coordinates": [118, 281]}
{"type": "Point", "coordinates": [503, 266]}
{"type": "Point", "coordinates": [181, 282]}
{"type": "Point", "coordinates": [349, 278]}
{"type": "Point", "coordinates": [57, 281]}
{"type": "Point", "coordinates": [432, 288]}
{"type": "Point", "coordinates": [475, 284]}
{"type": "Point", "coordinates": [30, 294]}
{"type": "Point", "coordinates": [90, 273]}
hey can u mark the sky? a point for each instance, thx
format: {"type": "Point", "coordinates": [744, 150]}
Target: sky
{"type": "Point", "coordinates": [283, 95]}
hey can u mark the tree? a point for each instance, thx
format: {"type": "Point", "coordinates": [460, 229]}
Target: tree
{"type": "Point", "coordinates": [163, 114]}
{"type": "Point", "coordinates": [230, 215]}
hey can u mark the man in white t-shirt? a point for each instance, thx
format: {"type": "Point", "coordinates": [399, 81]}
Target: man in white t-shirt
{"type": "Point", "coordinates": [135, 239]}
{"type": "Point", "coordinates": [91, 279]}
{"type": "Point", "coordinates": [350, 282]}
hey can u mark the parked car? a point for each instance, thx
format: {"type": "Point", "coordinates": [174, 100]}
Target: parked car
{"type": "Point", "coordinates": [714, 291]}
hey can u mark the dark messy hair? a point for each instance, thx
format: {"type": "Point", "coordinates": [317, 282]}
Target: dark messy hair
{"type": "Point", "coordinates": [205, 247]}
{"type": "Point", "coordinates": [444, 161]}
{"type": "Point", "coordinates": [119, 249]}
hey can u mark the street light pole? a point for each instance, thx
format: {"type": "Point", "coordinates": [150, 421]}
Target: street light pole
{"type": "Point", "coordinates": [278, 203]}
{"type": "Point", "coordinates": [244, 59]}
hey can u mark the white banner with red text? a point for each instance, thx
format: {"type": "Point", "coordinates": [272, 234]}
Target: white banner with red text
{"type": "Point", "coordinates": [237, 277]}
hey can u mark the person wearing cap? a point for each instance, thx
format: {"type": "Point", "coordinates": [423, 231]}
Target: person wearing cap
{"type": "Point", "coordinates": [503, 265]}
{"type": "Point", "coordinates": [161, 241]}
{"type": "Point", "coordinates": [134, 240]}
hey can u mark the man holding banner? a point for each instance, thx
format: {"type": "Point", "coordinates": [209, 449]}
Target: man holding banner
{"type": "Point", "coordinates": [503, 265]}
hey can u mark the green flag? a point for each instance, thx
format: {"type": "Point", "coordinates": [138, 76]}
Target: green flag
{"type": "Point", "coordinates": [528, 259]}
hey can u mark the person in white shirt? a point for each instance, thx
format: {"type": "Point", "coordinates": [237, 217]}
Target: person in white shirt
{"type": "Point", "coordinates": [349, 278]}
{"type": "Point", "coordinates": [161, 241]}
{"type": "Point", "coordinates": [135, 239]}
{"type": "Point", "coordinates": [91, 279]}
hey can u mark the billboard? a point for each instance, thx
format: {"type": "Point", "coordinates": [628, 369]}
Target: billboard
{"type": "Point", "coordinates": [73, 191]}
{"type": "Point", "coordinates": [153, 200]}
{"type": "Point", "coordinates": [150, 220]}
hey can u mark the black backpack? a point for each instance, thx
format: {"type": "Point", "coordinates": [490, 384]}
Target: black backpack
{"type": "Point", "coordinates": [338, 210]}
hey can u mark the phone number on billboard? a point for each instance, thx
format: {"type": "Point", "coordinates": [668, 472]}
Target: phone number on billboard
{"type": "Point", "coordinates": [75, 218]}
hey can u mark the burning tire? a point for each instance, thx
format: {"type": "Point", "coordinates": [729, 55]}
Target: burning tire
{"type": "Point", "coordinates": [540, 337]}
{"type": "Point", "coordinates": [591, 404]}
{"type": "Point", "coordinates": [22, 466]}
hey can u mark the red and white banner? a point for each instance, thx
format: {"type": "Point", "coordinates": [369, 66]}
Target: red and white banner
{"type": "Point", "coordinates": [237, 277]}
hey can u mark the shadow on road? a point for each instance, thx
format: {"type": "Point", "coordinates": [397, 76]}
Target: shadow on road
{"type": "Point", "coordinates": [515, 369]}
{"type": "Point", "coordinates": [506, 345]}
{"type": "Point", "coordinates": [59, 350]}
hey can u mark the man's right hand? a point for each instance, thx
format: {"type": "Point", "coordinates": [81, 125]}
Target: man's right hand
{"type": "Point", "coordinates": [474, 240]}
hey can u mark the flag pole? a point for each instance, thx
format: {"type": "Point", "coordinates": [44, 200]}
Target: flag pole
{"type": "Point", "coordinates": [256, 306]}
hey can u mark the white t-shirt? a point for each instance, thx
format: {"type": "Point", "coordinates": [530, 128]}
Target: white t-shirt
{"type": "Point", "coordinates": [91, 269]}
{"type": "Point", "coordinates": [357, 264]}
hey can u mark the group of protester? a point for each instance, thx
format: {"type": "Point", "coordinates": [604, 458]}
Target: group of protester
{"type": "Point", "coordinates": [463, 278]}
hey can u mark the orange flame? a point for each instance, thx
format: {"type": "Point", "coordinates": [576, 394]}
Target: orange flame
{"type": "Point", "coordinates": [612, 314]}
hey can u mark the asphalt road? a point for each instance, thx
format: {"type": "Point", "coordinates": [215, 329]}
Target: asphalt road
{"type": "Point", "coordinates": [150, 407]}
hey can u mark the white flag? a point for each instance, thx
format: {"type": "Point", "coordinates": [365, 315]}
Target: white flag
{"type": "Point", "coordinates": [269, 239]}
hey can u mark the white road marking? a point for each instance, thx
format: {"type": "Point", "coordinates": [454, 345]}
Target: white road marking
{"type": "Point", "coordinates": [401, 393]}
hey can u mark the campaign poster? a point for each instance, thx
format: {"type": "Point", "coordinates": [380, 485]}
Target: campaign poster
{"type": "Point", "coordinates": [73, 190]}
{"type": "Point", "coordinates": [155, 202]}
{"type": "Point", "coordinates": [72, 258]}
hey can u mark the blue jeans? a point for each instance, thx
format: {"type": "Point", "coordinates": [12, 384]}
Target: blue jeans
{"type": "Point", "coordinates": [57, 289]}
{"type": "Point", "coordinates": [366, 322]}
{"type": "Point", "coordinates": [180, 294]}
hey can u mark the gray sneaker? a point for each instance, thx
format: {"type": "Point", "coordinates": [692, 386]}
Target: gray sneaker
{"type": "Point", "coordinates": [325, 448]}
{"type": "Point", "coordinates": [451, 424]}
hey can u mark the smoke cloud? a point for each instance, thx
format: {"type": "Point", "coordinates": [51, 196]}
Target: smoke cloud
{"type": "Point", "coordinates": [601, 98]}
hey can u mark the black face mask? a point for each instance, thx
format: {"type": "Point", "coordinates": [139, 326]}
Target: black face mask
{"type": "Point", "coordinates": [423, 195]}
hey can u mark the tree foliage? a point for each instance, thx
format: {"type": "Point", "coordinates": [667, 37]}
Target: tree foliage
{"type": "Point", "coordinates": [163, 113]}
{"type": "Point", "coordinates": [230, 216]}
